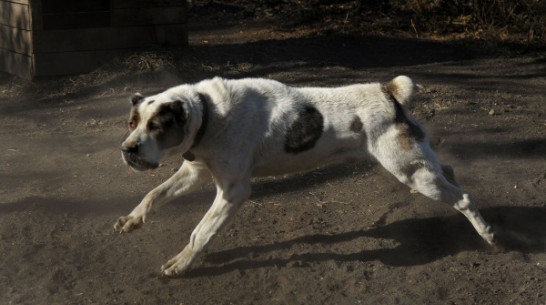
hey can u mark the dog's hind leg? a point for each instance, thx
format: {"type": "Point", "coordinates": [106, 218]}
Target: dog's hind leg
{"type": "Point", "coordinates": [441, 185]}
{"type": "Point", "coordinates": [187, 179]}
{"type": "Point", "coordinates": [436, 181]}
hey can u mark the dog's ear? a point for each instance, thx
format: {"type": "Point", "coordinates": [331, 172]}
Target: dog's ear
{"type": "Point", "coordinates": [180, 114]}
{"type": "Point", "coordinates": [136, 99]}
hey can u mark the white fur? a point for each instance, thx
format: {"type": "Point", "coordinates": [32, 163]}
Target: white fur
{"type": "Point", "coordinates": [245, 136]}
{"type": "Point", "coordinates": [405, 88]}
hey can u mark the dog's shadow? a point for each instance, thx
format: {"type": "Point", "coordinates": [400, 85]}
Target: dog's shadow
{"type": "Point", "coordinates": [419, 241]}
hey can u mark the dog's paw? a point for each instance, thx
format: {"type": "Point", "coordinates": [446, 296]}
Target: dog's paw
{"type": "Point", "coordinates": [177, 265]}
{"type": "Point", "coordinates": [128, 223]}
{"type": "Point", "coordinates": [490, 236]}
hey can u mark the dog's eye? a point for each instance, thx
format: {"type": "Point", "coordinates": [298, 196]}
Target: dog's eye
{"type": "Point", "coordinates": [153, 126]}
{"type": "Point", "coordinates": [132, 124]}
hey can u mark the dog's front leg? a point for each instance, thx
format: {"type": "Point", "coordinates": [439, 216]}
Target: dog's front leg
{"type": "Point", "coordinates": [188, 178]}
{"type": "Point", "coordinates": [229, 198]}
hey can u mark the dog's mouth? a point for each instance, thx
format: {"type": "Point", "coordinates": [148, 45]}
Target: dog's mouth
{"type": "Point", "coordinates": [139, 164]}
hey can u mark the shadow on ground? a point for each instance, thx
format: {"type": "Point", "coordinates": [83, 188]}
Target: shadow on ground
{"type": "Point", "coordinates": [355, 52]}
{"type": "Point", "coordinates": [420, 241]}
{"type": "Point", "coordinates": [258, 58]}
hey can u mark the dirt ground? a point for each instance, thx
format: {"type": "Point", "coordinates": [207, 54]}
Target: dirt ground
{"type": "Point", "coordinates": [345, 234]}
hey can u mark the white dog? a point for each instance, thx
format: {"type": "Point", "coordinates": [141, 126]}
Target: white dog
{"type": "Point", "coordinates": [232, 130]}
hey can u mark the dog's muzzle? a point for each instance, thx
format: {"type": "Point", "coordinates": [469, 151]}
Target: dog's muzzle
{"type": "Point", "coordinates": [132, 158]}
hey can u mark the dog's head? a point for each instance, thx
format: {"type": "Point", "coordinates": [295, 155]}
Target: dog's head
{"type": "Point", "coordinates": [157, 125]}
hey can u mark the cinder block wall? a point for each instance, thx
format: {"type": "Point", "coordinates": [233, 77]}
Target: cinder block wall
{"type": "Point", "coordinates": [58, 37]}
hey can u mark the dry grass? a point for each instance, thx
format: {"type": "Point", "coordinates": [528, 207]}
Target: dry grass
{"type": "Point", "coordinates": [522, 21]}
{"type": "Point", "coordinates": [487, 19]}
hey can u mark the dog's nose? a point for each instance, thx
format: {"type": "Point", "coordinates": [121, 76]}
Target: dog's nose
{"type": "Point", "coordinates": [129, 149]}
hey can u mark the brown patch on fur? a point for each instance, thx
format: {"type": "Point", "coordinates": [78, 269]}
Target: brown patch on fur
{"type": "Point", "coordinates": [356, 124]}
{"type": "Point", "coordinates": [408, 130]}
{"type": "Point", "coordinates": [136, 99]}
{"type": "Point", "coordinates": [391, 89]}
{"type": "Point", "coordinates": [134, 117]}
{"type": "Point", "coordinates": [305, 131]}
{"type": "Point", "coordinates": [170, 121]}
{"type": "Point", "coordinates": [405, 138]}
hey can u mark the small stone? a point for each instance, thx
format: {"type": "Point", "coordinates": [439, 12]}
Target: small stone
{"type": "Point", "coordinates": [492, 112]}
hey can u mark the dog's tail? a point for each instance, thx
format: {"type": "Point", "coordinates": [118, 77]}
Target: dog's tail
{"type": "Point", "coordinates": [401, 88]}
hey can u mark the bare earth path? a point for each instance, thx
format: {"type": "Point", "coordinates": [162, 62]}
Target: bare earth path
{"type": "Point", "coordinates": [347, 234]}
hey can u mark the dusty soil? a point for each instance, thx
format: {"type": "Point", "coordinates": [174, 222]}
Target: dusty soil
{"type": "Point", "coordinates": [346, 234]}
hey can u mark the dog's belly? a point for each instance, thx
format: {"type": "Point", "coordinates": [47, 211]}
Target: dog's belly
{"type": "Point", "coordinates": [289, 163]}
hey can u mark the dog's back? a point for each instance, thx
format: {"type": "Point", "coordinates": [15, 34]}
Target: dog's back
{"type": "Point", "coordinates": [288, 129]}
